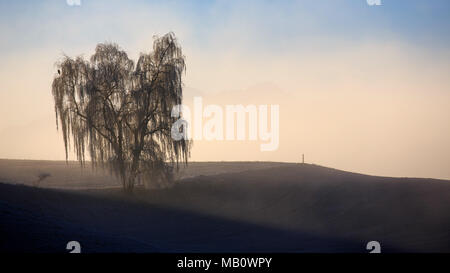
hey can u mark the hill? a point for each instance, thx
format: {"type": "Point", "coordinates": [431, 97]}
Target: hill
{"type": "Point", "coordinates": [275, 208]}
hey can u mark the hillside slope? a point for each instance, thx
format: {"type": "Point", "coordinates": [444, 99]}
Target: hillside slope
{"type": "Point", "coordinates": [291, 208]}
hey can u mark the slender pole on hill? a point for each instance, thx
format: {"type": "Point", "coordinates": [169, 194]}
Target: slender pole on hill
{"type": "Point", "coordinates": [303, 158]}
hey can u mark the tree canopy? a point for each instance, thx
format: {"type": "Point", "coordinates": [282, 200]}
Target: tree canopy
{"type": "Point", "coordinates": [120, 112]}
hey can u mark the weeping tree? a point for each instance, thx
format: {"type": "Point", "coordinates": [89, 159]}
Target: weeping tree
{"type": "Point", "coordinates": [120, 112]}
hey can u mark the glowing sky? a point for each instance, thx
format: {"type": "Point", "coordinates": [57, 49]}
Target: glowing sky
{"type": "Point", "coordinates": [360, 88]}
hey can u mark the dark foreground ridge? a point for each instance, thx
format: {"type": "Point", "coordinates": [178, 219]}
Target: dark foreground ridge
{"type": "Point", "coordinates": [292, 208]}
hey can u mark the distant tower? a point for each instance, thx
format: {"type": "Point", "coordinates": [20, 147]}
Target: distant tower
{"type": "Point", "coordinates": [303, 158]}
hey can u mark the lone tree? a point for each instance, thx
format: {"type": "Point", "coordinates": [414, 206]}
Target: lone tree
{"type": "Point", "coordinates": [121, 112]}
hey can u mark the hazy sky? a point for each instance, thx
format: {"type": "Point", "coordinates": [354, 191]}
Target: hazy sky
{"type": "Point", "coordinates": [360, 88]}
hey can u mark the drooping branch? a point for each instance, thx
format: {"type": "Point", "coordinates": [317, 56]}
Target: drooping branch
{"type": "Point", "coordinates": [121, 113]}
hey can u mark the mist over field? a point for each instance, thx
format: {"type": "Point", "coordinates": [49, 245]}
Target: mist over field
{"type": "Point", "coordinates": [223, 207]}
{"type": "Point", "coordinates": [361, 88]}
{"type": "Point", "coordinates": [225, 126]}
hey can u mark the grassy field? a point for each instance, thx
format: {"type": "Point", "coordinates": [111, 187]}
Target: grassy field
{"type": "Point", "coordinates": [71, 175]}
{"type": "Point", "coordinates": [222, 206]}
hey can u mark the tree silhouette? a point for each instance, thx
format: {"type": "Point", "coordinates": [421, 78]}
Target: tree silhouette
{"type": "Point", "coordinates": [121, 112]}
